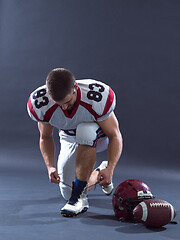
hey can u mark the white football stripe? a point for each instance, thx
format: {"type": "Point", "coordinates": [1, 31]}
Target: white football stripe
{"type": "Point", "coordinates": [172, 212]}
{"type": "Point", "coordinates": [145, 211]}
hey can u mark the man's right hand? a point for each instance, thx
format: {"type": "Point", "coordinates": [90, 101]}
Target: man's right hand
{"type": "Point", "coordinates": [53, 175]}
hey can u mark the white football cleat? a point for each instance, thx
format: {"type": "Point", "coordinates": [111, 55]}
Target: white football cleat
{"type": "Point", "coordinates": [109, 189]}
{"type": "Point", "coordinates": [70, 210]}
{"type": "Point", "coordinates": [103, 165]}
{"type": "Point", "coordinates": [78, 203]}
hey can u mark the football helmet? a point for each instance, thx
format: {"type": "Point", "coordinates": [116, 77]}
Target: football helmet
{"type": "Point", "coordinates": [127, 195]}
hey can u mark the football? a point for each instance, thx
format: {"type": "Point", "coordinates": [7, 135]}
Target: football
{"type": "Point", "coordinates": [154, 212]}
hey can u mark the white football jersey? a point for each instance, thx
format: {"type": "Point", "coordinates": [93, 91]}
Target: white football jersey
{"type": "Point", "coordinates": [95, 101]}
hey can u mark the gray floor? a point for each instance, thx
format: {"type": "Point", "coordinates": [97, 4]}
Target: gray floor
{"type": "Point", "coordinates": [29, 204]}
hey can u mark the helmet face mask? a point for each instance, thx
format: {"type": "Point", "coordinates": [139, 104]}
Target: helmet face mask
{"type": "Point", "coordinates": [127, 196]}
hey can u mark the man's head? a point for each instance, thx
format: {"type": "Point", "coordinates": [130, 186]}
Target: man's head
{"type": "Point", "coordinates": [61, 87]}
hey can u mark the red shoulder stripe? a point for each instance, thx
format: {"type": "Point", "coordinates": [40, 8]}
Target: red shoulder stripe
{"type": "Point", "coordinates": [31, 109]}
{"type": "Point", "coordinates": [47, 115]}
{"type": "Point", "coordinates": [109, 101]}
{"type": "Point", "coordinates": [50, 112]}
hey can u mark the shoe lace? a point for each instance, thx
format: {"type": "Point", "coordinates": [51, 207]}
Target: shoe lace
{"type": "Point", "coordinates": [93, 185]}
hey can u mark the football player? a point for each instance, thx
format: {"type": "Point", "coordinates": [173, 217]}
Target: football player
{"type": "Point", "coordinates": [83, 111]}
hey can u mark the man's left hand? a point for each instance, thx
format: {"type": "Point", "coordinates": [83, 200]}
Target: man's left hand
{"type": "Point", "coordinates": [104, 177]}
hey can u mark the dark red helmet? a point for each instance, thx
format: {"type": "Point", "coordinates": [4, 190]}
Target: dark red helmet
{"type": "Point", "coordinates": [127, 196]}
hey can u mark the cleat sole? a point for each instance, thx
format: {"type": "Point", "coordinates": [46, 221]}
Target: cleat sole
{"type": "Point", "coordinates": [65, 213]}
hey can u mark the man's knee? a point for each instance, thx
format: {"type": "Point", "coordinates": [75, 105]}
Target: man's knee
{"type": "Point", "coordinates": [86, 133]}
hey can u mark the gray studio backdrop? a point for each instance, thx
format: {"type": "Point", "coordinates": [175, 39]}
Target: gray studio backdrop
{"type": "Point", "coordinates": [132, 45]}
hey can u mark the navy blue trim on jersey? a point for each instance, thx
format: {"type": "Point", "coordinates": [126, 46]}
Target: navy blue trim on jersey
{"type": "Point", "coordinates": [100, 134]}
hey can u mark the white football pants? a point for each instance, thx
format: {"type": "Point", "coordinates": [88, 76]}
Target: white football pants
{"type": "Point", "coordinates": [86, 134]}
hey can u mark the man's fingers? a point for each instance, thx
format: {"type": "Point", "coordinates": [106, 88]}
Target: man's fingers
{"type": "Point", "coordinates": [99, 177]}
{"type": "Point", "coordinates": [54, 177]}
{"type": "Point", "coordinates": [103, 179]}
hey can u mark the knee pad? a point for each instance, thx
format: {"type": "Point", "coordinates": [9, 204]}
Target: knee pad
{"type": "Point", "coordinates": [88, 134]}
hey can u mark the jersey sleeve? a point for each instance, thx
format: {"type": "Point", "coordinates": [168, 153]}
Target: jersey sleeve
{"type": "Point", "coordinates": [109, 106]}
{"type": "Point", "coordinates": [98, 98]}
{"type": "Point", "coordinates": [40, 107]}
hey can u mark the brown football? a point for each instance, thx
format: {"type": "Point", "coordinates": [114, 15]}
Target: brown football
{"type": "Point", "coordinates": [154, 212]}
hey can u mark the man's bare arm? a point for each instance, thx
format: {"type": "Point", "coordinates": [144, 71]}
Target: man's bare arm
{"type": "Point", "coordinates": [47, 148]}
{"type": "Point", "coordinates": [110, 127]}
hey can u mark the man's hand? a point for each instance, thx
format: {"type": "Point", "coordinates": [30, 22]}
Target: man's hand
{"type": "Point", "coordinates": [53, 175]}
{"type": "Point", "coordinates": [105, 177]}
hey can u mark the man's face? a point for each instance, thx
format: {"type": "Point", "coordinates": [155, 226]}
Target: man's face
{"type": "Point", "coordinates": [69, 101]}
